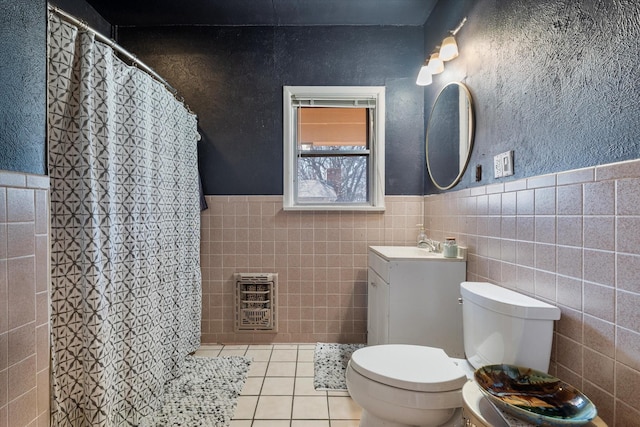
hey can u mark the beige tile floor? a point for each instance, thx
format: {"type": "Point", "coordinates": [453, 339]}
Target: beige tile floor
{"type": "Point", "coordinates": [279, 389]}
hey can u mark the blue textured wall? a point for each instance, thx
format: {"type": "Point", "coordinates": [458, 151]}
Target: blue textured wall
{"type": "Point", "coordinates": [556, 81]}
{"type": "Point", "coordinates": [22, 85]}
{"type": "Point", "coordinates": [232, 77]}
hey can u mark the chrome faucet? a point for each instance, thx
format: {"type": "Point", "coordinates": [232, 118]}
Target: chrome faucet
{"type": "Point", "coordinates": [425, 242]}
{"type": "Point", "coordinates": [432, 245]}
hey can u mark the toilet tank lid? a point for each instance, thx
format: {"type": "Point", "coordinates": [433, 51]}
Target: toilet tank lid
{"type": "Point", "coordinates": [508, 302]}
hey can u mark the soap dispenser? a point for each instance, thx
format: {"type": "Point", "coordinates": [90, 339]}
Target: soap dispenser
{"type": "Point", "coordinates": [422, 237]}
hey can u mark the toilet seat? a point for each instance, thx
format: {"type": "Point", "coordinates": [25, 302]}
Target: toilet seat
{"type": "Point", "coordinates": [409, 367]}
{"type": "Point", "coordinates": [384, 394]}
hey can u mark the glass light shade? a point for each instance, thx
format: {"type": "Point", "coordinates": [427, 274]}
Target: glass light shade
{"type": "Point", "coordinates": [424, 77]}
{"type": "Point", "coordinates": [448, 49]}
{"type": "Point", "coordinates": [435, 65]}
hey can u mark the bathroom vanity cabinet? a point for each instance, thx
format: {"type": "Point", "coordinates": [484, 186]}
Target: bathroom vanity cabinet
{"type": "Point", "coordinates": [413, 298]}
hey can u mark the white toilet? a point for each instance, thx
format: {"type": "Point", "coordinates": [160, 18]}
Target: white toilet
{"type": "Point", "coordinates": [400, 385]}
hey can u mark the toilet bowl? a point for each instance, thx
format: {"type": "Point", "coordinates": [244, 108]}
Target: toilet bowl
{"type": "Point", "coordinates": [402, 385]}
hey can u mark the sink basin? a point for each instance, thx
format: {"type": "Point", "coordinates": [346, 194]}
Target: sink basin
{"type": "Point", "coordinates": [408, 252]}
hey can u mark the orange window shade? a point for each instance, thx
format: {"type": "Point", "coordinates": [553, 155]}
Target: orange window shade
{"type": "Point", "coordinates": [333, 126]}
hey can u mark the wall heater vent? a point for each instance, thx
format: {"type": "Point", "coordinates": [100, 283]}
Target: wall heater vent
{"type": "Point", "coordinates": [256, 302]}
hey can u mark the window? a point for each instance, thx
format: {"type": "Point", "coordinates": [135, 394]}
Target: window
{"type": "Point", "coordinates": [333, 147]}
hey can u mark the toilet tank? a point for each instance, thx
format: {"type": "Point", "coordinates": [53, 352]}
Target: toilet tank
{"type": "Point", "coordinates": [503, 326]}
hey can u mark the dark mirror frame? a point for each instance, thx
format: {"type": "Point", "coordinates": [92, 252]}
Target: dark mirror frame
{"type": "Point", "coordinates": [445, 162]}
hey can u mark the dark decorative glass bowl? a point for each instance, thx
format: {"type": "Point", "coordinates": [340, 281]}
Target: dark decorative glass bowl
{"type": "Point", "coordinates": [534, 396]}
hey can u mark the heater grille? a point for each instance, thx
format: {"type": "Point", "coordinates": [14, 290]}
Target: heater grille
{"type": "Point", "coordinates": [256, 302]}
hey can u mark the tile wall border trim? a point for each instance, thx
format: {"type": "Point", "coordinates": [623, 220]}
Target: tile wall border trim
{"type": "Point", "coordinates": [609, 172]}
{"type": "Point", "coordinates": [23, 180]}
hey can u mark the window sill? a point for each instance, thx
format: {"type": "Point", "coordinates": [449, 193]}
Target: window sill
{"type": "Point", "coordinates": [335, 208]}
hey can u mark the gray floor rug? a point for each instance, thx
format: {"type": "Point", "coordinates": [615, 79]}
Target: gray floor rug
{"type": "Point", "coordinates": [205, 394]}
{"type": "Point", "coordinates": [330, 364]}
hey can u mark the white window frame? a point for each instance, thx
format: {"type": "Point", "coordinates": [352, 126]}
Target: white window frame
{"type": "Point", "coordinates": [376, 156]}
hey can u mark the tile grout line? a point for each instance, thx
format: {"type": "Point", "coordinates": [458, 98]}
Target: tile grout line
{"type": "Point", "coordinates": [293, 393]}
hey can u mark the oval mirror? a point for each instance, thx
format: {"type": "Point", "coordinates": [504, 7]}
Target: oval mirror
{"type": "Point", "coordinates": [449, 135]}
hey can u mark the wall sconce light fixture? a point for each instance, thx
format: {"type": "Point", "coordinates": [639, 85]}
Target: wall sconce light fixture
{"type": "Point", "coordinates": [424, 76]}
{"type": "Point", "coordinates": [449, 49]}
{"type": "Point", "coordinates": [435, 64]}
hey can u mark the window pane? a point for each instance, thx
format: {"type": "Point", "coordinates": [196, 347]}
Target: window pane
{"type": "Point", "coordinates": [338, 179]}
{"type": "Point", "coordinates": [332, 128]}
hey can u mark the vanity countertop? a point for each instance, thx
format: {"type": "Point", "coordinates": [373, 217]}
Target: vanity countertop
{"type": "Point", "coordinates": [394, 253]}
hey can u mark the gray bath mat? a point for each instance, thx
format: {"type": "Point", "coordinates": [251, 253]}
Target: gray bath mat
{"type": "Point", "coordinates": [330, 364]}
{"type": "Point", "coordinates": [205, 394]}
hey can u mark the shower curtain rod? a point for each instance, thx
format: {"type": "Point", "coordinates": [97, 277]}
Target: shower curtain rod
{"type": "Point", "coordinates": [115, 46]}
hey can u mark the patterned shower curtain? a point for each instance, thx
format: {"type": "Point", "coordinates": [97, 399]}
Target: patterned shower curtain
{"type": "Point", "coordinates": [125, 234]}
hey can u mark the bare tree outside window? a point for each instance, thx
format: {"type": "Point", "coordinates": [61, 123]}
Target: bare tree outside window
{"type": "Point", "coordinates": [346, 176]}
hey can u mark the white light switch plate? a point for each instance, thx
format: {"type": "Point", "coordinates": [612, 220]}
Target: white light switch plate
{"type": "Point", "coordinates": [497, 166]}
{"type": "Point", "coordinates": [503, 164]}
